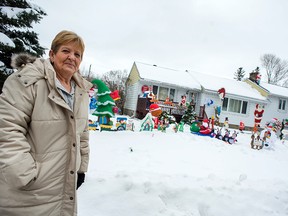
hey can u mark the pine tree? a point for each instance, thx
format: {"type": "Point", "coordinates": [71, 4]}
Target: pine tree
{"type": "Point", "coordinates": [16, 19]}
{"type": "Point", "coordinates": [105, 103]}
{"type": "Point", "coordinates": [239, 74]}
{"type": "Point", "coordinates": [189, 115]}
{"type": "Point", "coordinates": [257, 70]}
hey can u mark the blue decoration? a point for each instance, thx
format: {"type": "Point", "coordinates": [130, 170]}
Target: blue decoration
{"type": "Point", "coordinates": [93, 104]}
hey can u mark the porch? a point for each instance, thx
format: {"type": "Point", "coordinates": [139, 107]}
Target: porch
{"type": "Point", "coordinates": [173, 108]}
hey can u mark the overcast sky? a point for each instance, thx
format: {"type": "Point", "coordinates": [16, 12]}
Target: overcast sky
{"type": "Point", "coordinates": [208, 36]}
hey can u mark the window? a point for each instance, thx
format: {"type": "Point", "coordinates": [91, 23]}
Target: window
{"type": "Point", "coordinates": [244, 107]}
{"type": "Point", "coordinates": [162, 93]}
{"type": "Point", "coordinates": [155, 90]}
{"type": "Point", "coordinates": [282, 104]}
{"type": "Point", "coordinates": [172, 94]}
{"type": "Point", "coordinates": [233, 105]}
{"type": "Point", "coordinates": [225, 104]}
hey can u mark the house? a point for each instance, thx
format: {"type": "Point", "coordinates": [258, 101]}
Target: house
{"type": "Point", "coordinates": [239, 103]}
{"type": "Point", "coordinates": [277, 98]}
{"type": "Point", "coordinates": [168, 85]}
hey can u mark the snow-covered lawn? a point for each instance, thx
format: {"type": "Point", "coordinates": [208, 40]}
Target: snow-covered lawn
{"type": "Point", "coordinates": [182, 174]}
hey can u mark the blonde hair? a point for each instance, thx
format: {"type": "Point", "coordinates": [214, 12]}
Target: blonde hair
{"type": "Point", "coordinates": [65, 37]}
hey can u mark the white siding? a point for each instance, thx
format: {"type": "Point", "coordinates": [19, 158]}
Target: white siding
{"type": "Point", "coordinates": [234, 118]}
{"type": "Point", "coordinates": [131, 97]}
{"type": "Point", "coordinates": [271, 110]}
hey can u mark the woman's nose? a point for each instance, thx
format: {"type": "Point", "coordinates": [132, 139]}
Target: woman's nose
{"type": "Point", "coordinates": [71, 56]}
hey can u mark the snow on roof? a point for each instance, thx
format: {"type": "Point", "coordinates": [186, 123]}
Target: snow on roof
{"type": "Point", "coordinates": [167, 75]}
{"type": "Point", "coordinates": [232, 86]}
{"type": "Point", "coordinates": [194, 80]}
{"type": "Point", "coordinates": [275, 90]}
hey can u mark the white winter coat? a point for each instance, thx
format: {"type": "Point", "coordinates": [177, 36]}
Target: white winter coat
{"type": "Point", "coordinates": [43, 143]}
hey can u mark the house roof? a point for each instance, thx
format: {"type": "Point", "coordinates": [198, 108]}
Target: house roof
{"type": "Point", "coordinates": [196, 80]}
{"type": "Point", "coordinates": [275, 90]}
{"type": "Point", "coordinates": [232, 86]}
{"type": "Point", "coordinates": [167, 75]}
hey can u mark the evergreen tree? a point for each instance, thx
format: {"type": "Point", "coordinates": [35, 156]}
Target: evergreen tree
{"type": "Point", "coordinates": [16, 19]}
{"type": "Point", "coordinates": [105, 103]}
{"type": "Point", "coordinates": [239, 74]}
{"type": "Point", "coordinates": [189, 115]}
{"type": "Point", "coordinates": [257, 70]}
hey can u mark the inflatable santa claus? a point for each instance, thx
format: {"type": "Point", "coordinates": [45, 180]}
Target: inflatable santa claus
{"type": "Point", "coordinates": [258, 114]}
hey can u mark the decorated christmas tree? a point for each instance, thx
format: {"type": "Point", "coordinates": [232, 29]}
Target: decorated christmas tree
{"type": "Point", "coordinates": [164, 116]}
{"type": "Point", "coordinates": [105, 103]}
{"type": "Point", "coordinates": [189, 115]}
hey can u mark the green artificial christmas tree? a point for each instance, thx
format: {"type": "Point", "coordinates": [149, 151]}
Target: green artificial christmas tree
{"type": "Point", "coordinates": [105, 103]}
{"type": "Point", "coordinates": [189, 115]}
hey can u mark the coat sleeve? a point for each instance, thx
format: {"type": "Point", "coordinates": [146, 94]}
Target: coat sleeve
{"type": "Point", "coordinates": [84, 138]}
{"type": "Point", "coordinates": [84, 150]}
{"type": "Point", "coordinates": [17, 166]}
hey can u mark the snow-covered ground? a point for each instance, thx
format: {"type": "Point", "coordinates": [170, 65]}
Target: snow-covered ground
{"type": "Point", "coordinates": [182, 174]}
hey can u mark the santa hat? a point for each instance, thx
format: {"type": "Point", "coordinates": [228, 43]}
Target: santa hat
{"type": "Point", "coordinates": [154, 107]}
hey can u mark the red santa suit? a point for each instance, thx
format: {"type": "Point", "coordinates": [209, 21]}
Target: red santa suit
{"type": "Point", "coordinates": [258, 114]}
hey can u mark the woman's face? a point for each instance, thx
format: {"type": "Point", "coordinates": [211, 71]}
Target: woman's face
{"type": "Point", "coordinates": [66, 60]}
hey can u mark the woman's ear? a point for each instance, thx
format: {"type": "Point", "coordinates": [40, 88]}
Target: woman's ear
{"type": "Point", "coordinates": [51, 56]}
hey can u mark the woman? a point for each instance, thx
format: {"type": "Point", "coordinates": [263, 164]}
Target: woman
{"type": "Point", "coordinates": [44, 131]}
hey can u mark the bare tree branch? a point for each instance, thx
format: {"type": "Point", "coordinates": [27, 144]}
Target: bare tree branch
{"type": "Point", "coordinates": [276, 69]}
{"type": "Point", "coordinates": [115, 80]}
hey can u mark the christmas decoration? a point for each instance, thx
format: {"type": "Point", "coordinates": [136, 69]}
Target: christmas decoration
{"type": "Point", "coordinates": [115, 95]}
{"type": "Point", "coordinates": [189, 115]}
{"type": "Point", "coordinates": [183, 100]}
{"type": "Point", "coordinates": [204, 128]}
{"type": "Point", "coordinates": [181, 127]}
{"type": "Point", "coordinates": [155, 110]}
{"type": "Point", "coordinates": [195, 127]}
{"type": "Point", "coordinates": [275, 124]}
{"type": "Point", "coordinates": [221, 93]}
{"type": "Point", "coordinates": [105, 103]}
{"type": "Point", "coordinates": [241, 126]}
{"type": "Point", "coordinates": [226, 123]}
{"type": "Point", "coordinates": [258, 113]}
{"type": "Point", "coordinates": [166, 118]}
{"type": "Point", "coordinates": [168, 102]}
{"type": "Point", "coordinates": [147, 123]}
{"type": "Point", "coordinates": [268, 137]}
{"type": "Point", "coordinates": [255, 141]}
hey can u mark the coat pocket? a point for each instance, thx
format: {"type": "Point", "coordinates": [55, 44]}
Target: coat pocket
{"type": "Point", "coordinates": [21, 173]}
